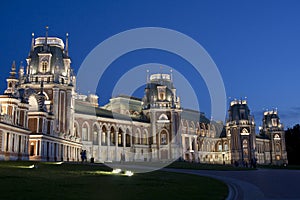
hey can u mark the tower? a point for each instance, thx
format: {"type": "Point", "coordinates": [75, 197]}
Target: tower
{"type": "Point", "coordinates": [240, 131]}
{"type": "Point", "coordinates": [48, 84]}
{"type": "Point", "coordinates": [12, 81]}
{"type": "Point", "coordinates": [274, 130]}
{"type": "Point", "coordinates": [162, 107]}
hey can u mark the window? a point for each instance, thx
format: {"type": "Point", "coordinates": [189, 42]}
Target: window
{"type": "Point", "coordinates": [120, 139]}
{"type": "Point", "coordinates": [144, 138]}
{"type": "Point", "coordinates": [163, 137]}
{"type": "Point", "coordinates": [136, 138]}
{"type": "Point", "coordinates": [44, 66]}
{"type": "Point", "coordinates": [226, 147]}
{"type": "Point", "coordinates": [245, 147]}
{"type": "Point", "coordinates": [274, 122]}
{"type": "Point", "coordinates": [127, 140]}
{"type": "Point", "coordinates": [103, 141]}
{"type": "Point", "coordinates": [219, 147]}
{"type": "Point", "coordinates": [112, 137]}
{"type": "Point", "coordinates": [84, 134]}
{"type": "Point", "coordinates": [95, 137]}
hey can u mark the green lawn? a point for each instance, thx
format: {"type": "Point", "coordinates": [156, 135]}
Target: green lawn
{"type": "Point", "coordinates": [81, 181]}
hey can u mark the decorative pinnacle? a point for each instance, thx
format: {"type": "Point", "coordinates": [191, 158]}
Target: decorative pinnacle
{"type": "Point", "coordinates": [46, 38]}
{"type": "Point", "coordinates": [67, 45]}
{"type": "Point", "coordinates": [13, 70]}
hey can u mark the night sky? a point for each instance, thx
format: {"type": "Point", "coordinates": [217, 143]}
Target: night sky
{"type": "Point", "coordinates": [255, 44]}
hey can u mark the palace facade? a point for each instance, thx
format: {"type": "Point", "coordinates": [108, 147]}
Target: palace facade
{"type": "Point", "coordinates": [43, 118]}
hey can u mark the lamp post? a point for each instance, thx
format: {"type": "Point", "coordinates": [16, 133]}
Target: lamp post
{"type": "Point", "coordinates": [223, 154]}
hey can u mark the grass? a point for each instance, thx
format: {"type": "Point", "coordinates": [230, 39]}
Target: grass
{"type": "Point", "coordinates": [81, 181]}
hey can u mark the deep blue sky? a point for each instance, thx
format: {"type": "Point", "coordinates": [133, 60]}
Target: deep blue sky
{"type": "Point", "coordinates": [255, 44]}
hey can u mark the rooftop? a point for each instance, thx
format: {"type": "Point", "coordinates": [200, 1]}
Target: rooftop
{"type": "Point", "coordinates": [50, 41]}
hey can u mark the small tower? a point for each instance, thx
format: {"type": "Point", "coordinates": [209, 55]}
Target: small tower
{"type": "Point", "coordinates": [12, 80]}
{"type": "Point", "coordinates": [273, 129]}
{"type": "Point", "coordinates": [160, 105]}
{"type": "Point", "coordinates": [240, 131]}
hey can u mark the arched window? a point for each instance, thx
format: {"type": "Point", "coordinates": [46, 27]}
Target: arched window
{"type": "Point", "coordinates": [137, 137]}
{"type": "Point", "coordinates": [163, 137]}
{"type": "Point", "coordinates": [144, 138]}
{"type": "Point", "coordinates": [104, 136]}
{"type": "Point", "coordinates": [127, 138]}
{"type": "Point", "coordinates": [245, 147]}
{"type": "Point", "coordinates": [225, 146]}
{"type": "Point", "coordinates": [95, 135]}
{"type": "Point", "coordinates": [112, 136]}
{"type": "Point", "coordinates": [84, 132]}
{"type": "Point", "coordinates": [219, 146]}
{"type": "Point", "coordinates": [120, 138]}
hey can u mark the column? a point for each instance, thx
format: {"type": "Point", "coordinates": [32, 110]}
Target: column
{"type": "Point", "coordinates": [55, 108]}
{"type": "Point", "coordinates": [108, 145]}
{"type": "Point", "coordinates": [116, 145]}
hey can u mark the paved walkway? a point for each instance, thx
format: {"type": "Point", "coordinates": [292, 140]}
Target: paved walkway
{"type": "Point", "coordinates": [256, 184]}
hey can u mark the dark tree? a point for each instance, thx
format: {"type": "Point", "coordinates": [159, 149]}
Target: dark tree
{"type": "Point", "coordinates": [292, 138]}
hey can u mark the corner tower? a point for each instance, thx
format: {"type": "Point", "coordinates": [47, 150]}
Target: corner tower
{"type": "Point", "coordinates": [274, 129]}
{"type": "Point", "coordinates": [240, 131]}
{"type": "Point", "coordinates": [48, 84]}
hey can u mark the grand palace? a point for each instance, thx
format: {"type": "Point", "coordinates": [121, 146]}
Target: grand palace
{"type": "Point", "coordinates": [43, 118]}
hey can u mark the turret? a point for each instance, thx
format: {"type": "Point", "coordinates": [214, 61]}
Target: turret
{"type": "Point", "coordinates": [12, 80]}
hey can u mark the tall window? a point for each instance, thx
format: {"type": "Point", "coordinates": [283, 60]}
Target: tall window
{"type": "Point", "coordinates": [219, 147]}
{"type": "Point", "coordinates": [120, 143]}
{"type": "Point", "coordinates": [112, 137]}
{"type": "Point", "coordinates": [226, 147]}
{"type": "Point", "coordinates": [274, 122]}
{"type": "Point", "coordinates": [127, 140]}
{"type": "Point", "coordinates": [144, 138]}
{"type": "Point", "coordinates": [95, 135]}
{"type": "Point", "coordinates": [245, 147]}
{"type": "Point", "coordinates": [44, 66]}
{"type": "Point", "coordinates": [103, 136]}
{"type": "Point", "coordinates": [84, 134]}
{"type": "Point", "coordinates": [163, 137]}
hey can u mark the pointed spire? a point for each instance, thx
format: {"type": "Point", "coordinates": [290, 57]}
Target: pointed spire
{"type": "Point", "coordinates": [13, 70]}
{"type": "Point", "coordinates": [171, 71]}
{"type": "Point", "coordinates": [67, 45]}
{"type": "Point", "coordinates": [32, 42]}
{"type": "Point", "coordinates": [147, 75]}
{"type": "Point", "coordinates": [46, 39]}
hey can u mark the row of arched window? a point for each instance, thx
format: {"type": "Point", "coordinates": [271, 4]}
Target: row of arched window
{"type": "Point", "coordinates": [112, 136]}
{"type": "Point", "coordinates": [202, 129]}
